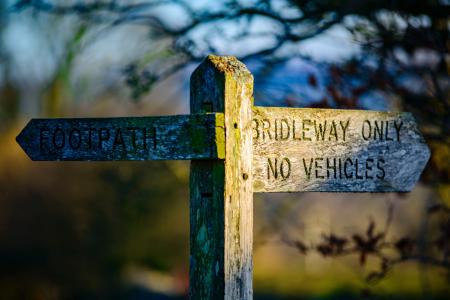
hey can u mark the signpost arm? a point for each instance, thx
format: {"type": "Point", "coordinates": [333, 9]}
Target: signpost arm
{"type": "Point", "coordinates": [221, 192]}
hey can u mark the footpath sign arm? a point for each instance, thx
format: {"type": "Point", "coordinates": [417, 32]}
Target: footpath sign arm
{"type": "Point", "coordinates": [221, 204]}
{"type": "Point", "coordinates": [132, 138]}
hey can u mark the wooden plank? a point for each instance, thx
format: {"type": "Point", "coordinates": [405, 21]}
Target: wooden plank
{"type": "Point", "coordinates": [329, 150]}
{"type": "Point", "coordinates": [133, 138]}
{"type": "Point", "coordinates": [221, 207]}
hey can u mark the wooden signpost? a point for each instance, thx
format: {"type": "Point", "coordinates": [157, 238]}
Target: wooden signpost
{"type": "Point", "coordinates": [238, 149]}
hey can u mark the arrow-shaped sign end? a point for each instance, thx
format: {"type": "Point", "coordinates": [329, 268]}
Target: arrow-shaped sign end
{"type": "Point", "coordinates": [23, 139]}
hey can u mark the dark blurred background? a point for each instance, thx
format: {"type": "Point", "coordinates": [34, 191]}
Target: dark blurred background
{"type": "Point", "coordinates": [118, 230]}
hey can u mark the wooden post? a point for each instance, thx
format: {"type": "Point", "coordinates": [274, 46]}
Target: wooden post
{"type": "Point", "coordinates": [221, 192]}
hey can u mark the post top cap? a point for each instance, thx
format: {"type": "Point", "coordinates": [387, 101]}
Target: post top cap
{"type": "Point", "coordinates": [228, 64]}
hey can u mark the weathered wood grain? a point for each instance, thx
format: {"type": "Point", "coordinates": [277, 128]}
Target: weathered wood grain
{"type": "Point", "coordinates": [221, 207]}
{"type": "Point", "coordinates": [133, 138]}
{"type": "Point", "coordinates": [332, 150]}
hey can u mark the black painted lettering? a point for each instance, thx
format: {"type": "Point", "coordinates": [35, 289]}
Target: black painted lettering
{"type": "Point", "coordinates": [388, 138]}
{"type": "Point", "coordinates": [90, 131]}
{"type": "Point", "coordinates": [266, 129]}
{"type": "Point", "coordinates": [154, 136]}
{"type": "Point", "coordinates": [356, 170]}
{"type": "Point", "coordinates": [133, 136]}
{"type": "Point", "coordinates": [331, 167]}
{"type": "Point", "coordinates": [294, 131]}
{"type": "Point", "coordinates": [364, 131]}
{"type": "Point", "coordinates": [276, 129]}
{"type": "Point", "coordinates": [308, 170]}
{"type": "Point", "coordinates": [369, 163]}
{"type": "Point", "coordinates": [285, 168]}
{"type": "Point", "coordinates": [144, 138]}
{"type": "Point", "coordinates": [320, 130]}
{"type": "Point", "coordinates": [305, 127]}
{"type": "Point", "coordinates": [147, 135]}
{"type": "Point", "coordinates": [75, 139]}
{"type": "Point", "coordinates": [333, 131]}
{"type": "Point", "coordinates": [42, 136]}
{"type": "Point", "coordinates": [397, 129]}
{"type": "Point", "coordinates": [272, 168]}
{"type": "Point", "coordinates": [284, 130]}
{"type": "Point", "coordinates": [118, 139]}
{"type": "Point", "coordinates": [62, 138]}
{"type": "Point", "coordinates": [380, 167]}
{"type": "Point", "coordinates": [318, 167]}
{"type": "Point", "coordinates": [378, 130]}
{"type": "Point", "coordinates": [344, 127]}
{"type": "Point", "coordinates": [103, 135]}
{"type": "Point", "coordinates": [348, 160]}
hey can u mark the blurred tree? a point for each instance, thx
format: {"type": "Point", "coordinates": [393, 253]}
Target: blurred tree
{"type": "Point", "coordinates": [57, 96]}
